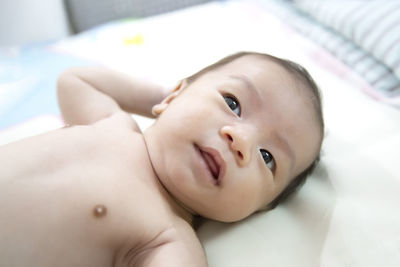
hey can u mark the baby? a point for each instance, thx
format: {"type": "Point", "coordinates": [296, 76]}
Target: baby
{"type": "Point", "coordinates": [233, 139]}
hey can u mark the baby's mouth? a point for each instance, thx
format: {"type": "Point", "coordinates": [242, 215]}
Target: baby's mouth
{"type": "Point", "coordinates": [212, 165]}
{"type": "Point", "coordinates": [214, 162]}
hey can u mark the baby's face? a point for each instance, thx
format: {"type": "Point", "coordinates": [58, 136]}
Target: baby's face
{"type": "Point", "coordinates": [231, 141]}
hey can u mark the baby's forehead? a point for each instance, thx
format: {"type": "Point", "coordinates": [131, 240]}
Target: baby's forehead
{"type": "Point", "coordinates": [254, 66]}
{"type": "Point", "coordinates": [265, 74]}
{"type": "Point", "coordinates": [249, 60]}
{"type": "Point", "coordinates": [256, 71]}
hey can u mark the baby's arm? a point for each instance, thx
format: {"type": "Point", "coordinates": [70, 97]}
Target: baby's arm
{"type": "Point", "coordinates": [179, 248]}
{"type": "Point", "coordinates": [174, 254]}
{"type": "Point", "coordinates": [88, 94]}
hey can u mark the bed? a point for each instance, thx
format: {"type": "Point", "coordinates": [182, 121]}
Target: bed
{"type": "Point", "coordinates": [347, 213]}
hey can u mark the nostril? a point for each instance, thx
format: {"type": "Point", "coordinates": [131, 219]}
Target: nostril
{"type": "Point", "coordinates": [229, 137]}
{"type": "Point", "coordinates": [240, 154]}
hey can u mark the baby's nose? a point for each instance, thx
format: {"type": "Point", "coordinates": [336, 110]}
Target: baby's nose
{"type": "Point", "coordinates": [240, 141]}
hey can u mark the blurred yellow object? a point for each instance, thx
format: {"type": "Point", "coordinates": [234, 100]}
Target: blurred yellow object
{"type": "Point", "coordinates": [134, 40]}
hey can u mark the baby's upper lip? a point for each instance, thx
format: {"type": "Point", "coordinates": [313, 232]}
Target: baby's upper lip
{"type": "Point", "coordinates": [215, 162]}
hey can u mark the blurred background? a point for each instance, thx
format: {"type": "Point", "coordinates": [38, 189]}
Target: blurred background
{"type": "Point", "coordinates": [28, 21]}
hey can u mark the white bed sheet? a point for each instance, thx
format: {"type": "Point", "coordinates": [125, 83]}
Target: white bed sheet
{"type": "Point", "coordinates": [347, 213]}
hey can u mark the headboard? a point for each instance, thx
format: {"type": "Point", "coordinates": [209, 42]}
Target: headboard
{"type": "Point", "coordinates": [84, 14]}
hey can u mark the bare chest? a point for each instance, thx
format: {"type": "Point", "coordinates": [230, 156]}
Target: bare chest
{"type": "Point", "coordinates": [73, 197]}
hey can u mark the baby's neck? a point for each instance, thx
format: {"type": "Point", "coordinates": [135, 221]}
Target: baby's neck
{"type": "Point", "coordinates": [177, 207]}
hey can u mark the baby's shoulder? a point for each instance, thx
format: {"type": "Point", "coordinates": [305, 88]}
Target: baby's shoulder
{"type": "Point", "coordinates": [120, 120]}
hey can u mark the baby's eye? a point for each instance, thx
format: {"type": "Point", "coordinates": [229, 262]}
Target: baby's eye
{"type": "Point", "coordinates": [268, 159]}
{"type": "Point", "coordinates": [233, 104]}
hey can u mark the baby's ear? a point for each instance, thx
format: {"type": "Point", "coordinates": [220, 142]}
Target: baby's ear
{"type": "Point", "coordinates": [159, 108]}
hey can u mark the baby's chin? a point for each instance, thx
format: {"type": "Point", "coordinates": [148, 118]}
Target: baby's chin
{"type": "Point", "coordinates": [226, 216]}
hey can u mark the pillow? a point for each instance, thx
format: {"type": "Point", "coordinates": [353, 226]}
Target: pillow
{"type": "Point", "coordinates": [325, 21]}
{"type": "Point", "coordinates": [373, 26]}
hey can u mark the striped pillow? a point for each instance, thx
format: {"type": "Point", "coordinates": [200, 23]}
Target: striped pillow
{"type": "Point", "coordinates": [379, 75]}
{"type": "Point", "coordinates": [371, 25]}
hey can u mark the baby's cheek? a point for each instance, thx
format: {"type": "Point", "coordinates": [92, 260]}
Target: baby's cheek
{"type": "Point", "coordinates": [245, 203]}
{"type": "Point", "coordinates": [261, 192]}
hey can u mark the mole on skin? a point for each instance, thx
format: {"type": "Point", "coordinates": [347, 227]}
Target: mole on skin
{"type": "Point", "coordinates": [99, 211]}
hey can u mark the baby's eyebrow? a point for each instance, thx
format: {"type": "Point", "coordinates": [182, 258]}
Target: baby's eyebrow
{"type": "Point", "coordinates": [248, 83]}
{"type": "Point", "coordinates": [285, 147]}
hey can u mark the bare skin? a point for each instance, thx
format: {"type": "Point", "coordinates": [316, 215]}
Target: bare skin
{"type": "Point", "coordinates": [87, 195]}
{"type": "Point", "coordinates": [101, 193]}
